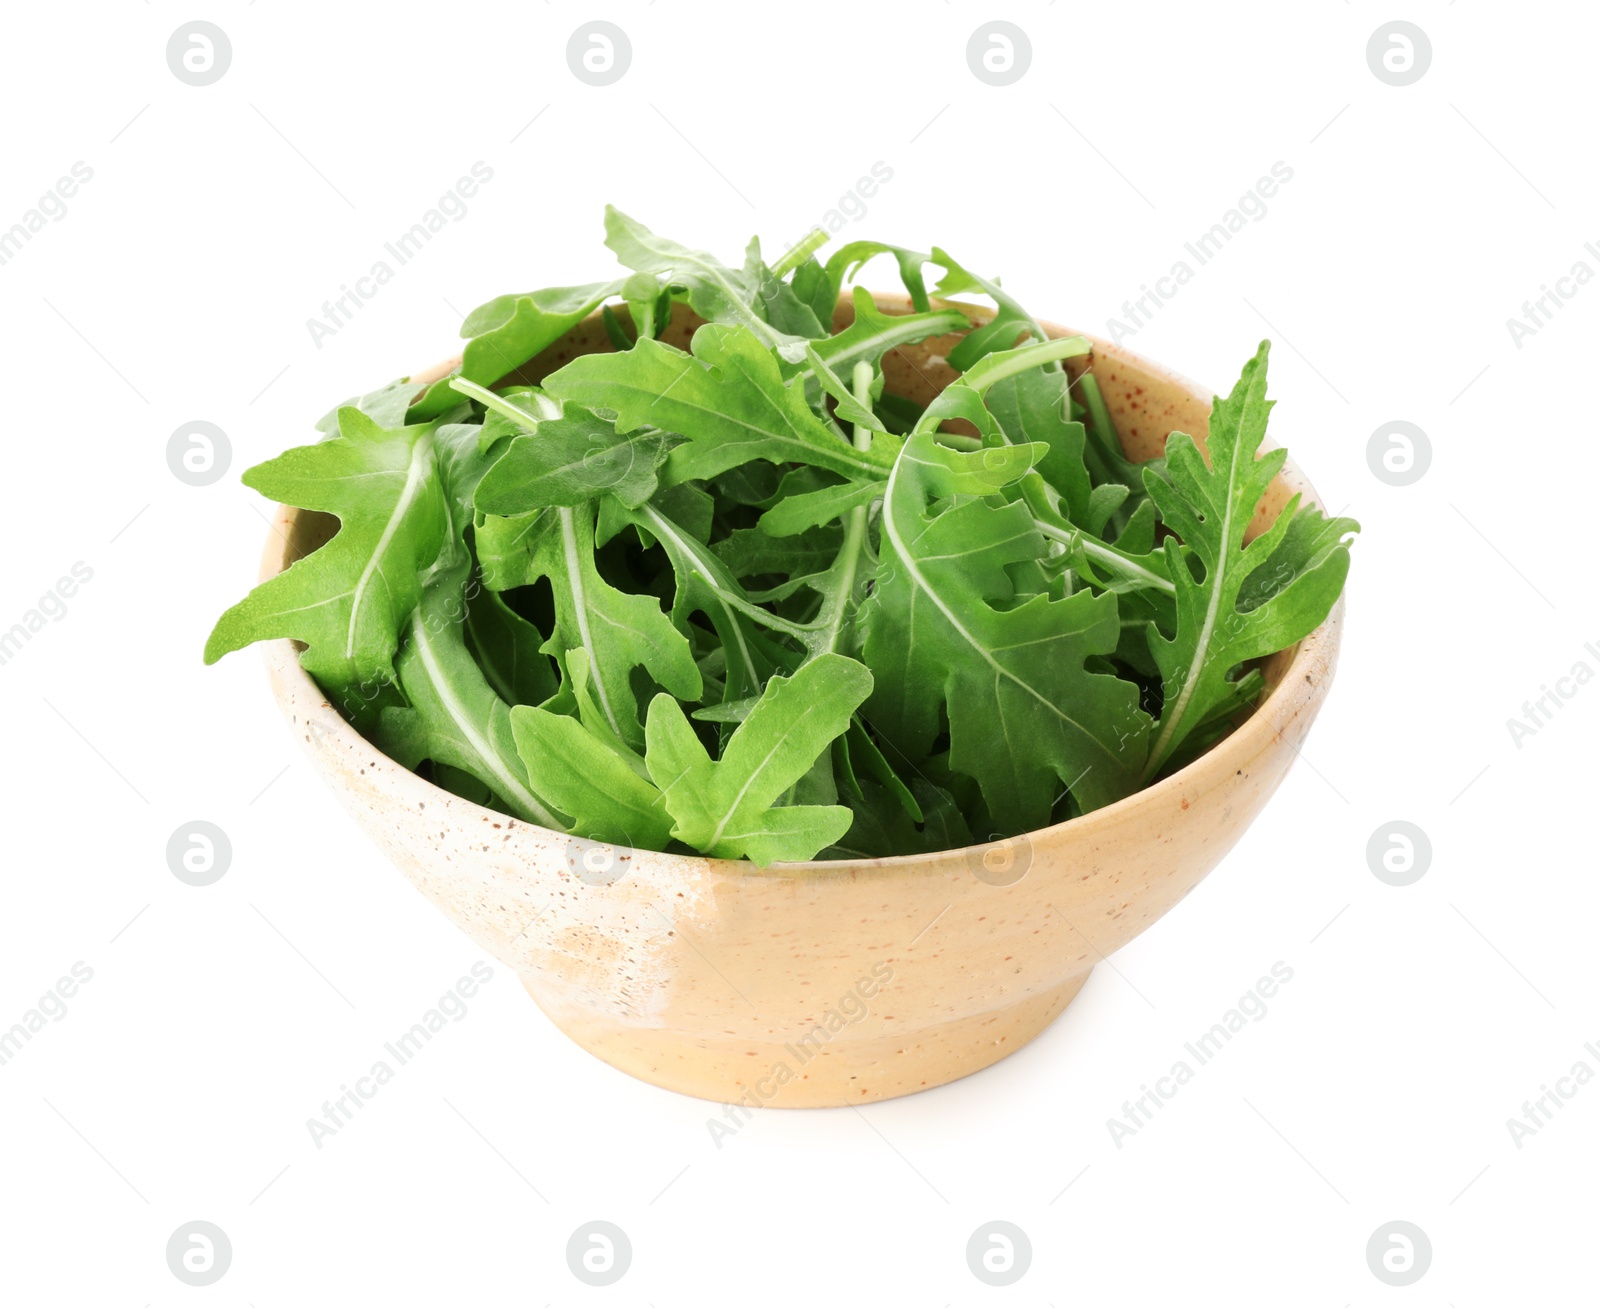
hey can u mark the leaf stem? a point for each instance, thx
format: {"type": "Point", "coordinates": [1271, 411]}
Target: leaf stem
{"type": "Point", "coordinates": [695, 568]}
{"type": "Point", "coordinates": [547, 407]}
{"type": "Point", "coordinates": [1107, 555]}
{"type": "Point", "coordinates": [855, 536]}
{"type": "Point", "coordinates": [798, 253]}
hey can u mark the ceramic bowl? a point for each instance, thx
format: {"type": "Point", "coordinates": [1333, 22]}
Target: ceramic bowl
{"type": "Point", "coordinates": [822, 983]}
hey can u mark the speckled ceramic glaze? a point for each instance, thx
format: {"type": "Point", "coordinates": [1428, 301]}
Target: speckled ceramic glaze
{"type": "Point", "coordinates": [821, 983]}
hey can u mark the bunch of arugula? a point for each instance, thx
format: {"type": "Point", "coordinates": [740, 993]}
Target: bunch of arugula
{"type": "Point", "coordinates": [744, 601]}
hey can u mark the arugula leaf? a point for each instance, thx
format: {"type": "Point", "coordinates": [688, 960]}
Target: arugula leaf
{"type": "Point", "coordinates": [507, 332]}
{"type": "Point", "coordinates": [873, 333]}
{"type": "Point", "coordinates": [704, 585]}
{"type": "Point", "coordinates": [565, 455]}
{"type": "Point", "coordinates": [1010, 322]}
{"type": "Point", "coordinates": [752, 552]}
{"type": "Point", "coordinates": [726, 807]}
{"type": "Point", "coordinates": [728, 399]}
{"type": "Point", "coordinates": [881, 828]}
{"type": "Point", "coordinates": [1306, 545]}
{"type": "Point", "coordinates": [798, 513]}
{"type": "Point", "coordinates": [508, 648]}
{"type": "Point", "coordinates": [454, 717]}
{"type": "Point", "coordinates": [1026, 716]}
{"type": "Point", "coordinates": [847, 408]}
{"type": "Point", "coordinates": [780, 305]}
{"type": "Point", "coordinates": [617, 631]}
{"type": "Point", "coordinates": [1210, 507]}
{"type": "Point", "coordinates": [719, 294]}
{"type": "Point", "coordinates": [585, 768]}
{"type": "Point", "coordinates": [386, 406]}
{"type": "Point", "coordinates": [846, 584]}
{"type": "Point", "coordinates": [846, 261]}
{"type": "Point", "coordinates": [1032, 407]}
{"type": "Point", "coordinates": [348, 600]}
{"type": "Point", "coordinates": [815, 290]}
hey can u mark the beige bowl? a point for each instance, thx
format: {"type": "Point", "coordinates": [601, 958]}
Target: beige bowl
{"type": "Point", "coordinates": [823, 983]}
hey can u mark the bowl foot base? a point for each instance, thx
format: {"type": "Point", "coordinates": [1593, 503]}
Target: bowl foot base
{"type": "Point", "coordinates": [848, 1068]}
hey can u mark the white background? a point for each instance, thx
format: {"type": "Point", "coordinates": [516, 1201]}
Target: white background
{"type": "Point", "coordinates": [1419, 1019]}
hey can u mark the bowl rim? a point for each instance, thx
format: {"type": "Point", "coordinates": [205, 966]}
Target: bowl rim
{"type": "Point", "coordinates": [1302, 683]}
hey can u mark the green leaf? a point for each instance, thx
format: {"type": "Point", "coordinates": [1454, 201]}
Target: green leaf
{"type": "Point", "coordinates": [565, 455]}
{"type": "Point", "coordinates": [509, 649]}
{"type": "Point", "coordinates": [728, 399]}
{"type": "Point", "coordinates": [873, 333]}
{"type": "Point", "coordinates": [847, 582]}
{"type": "Point", "coordinates": [507, 332]}
{"type": "Point", "coordinates": [454, 717]}
{"type": "Point", "coordinates": [814, 289]}
{"type": "Point", "coordinates": [1010, 323]}
{"type": "Point", "coordinates": [726, 807]}
{"type": "Point", "coordinates": [882, 828]}
{"type": "Point", "coordinates": [348, 600]}
{"type": "Point", "coordinates": [847, 260]}
{"type": "Point", "coordinates": [1210, 507]}
{"type": "Point", "coordinates": [861, 752]}
{"type": "Point", "coordinates": [1032, 407]}
{"type": "Point", "coordinates": [617, 631]}
{"type": "Point", "coordinates": [717, 293]}
{"type": "Point", "coordinates": [587, 770]}
{"type": "Point", "coordinates": [779, 303]}
{"type": "Point", "coordinates": [846, 407]}
{"type": "Point", "coordinates": [1307, 544]}
{"type": "Point", "coordinates": [386, 406]}
{"type": "Point", "coordinates": [1026, 716]}
{"type": "Point", "coordinates": [752, 552]}
{"type": "Point", "coordinates": [1130, 564]}
{"type": "Point", "coordinates": [704, 585]}
{"type": "Point", "coordinates": [798, 513]}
